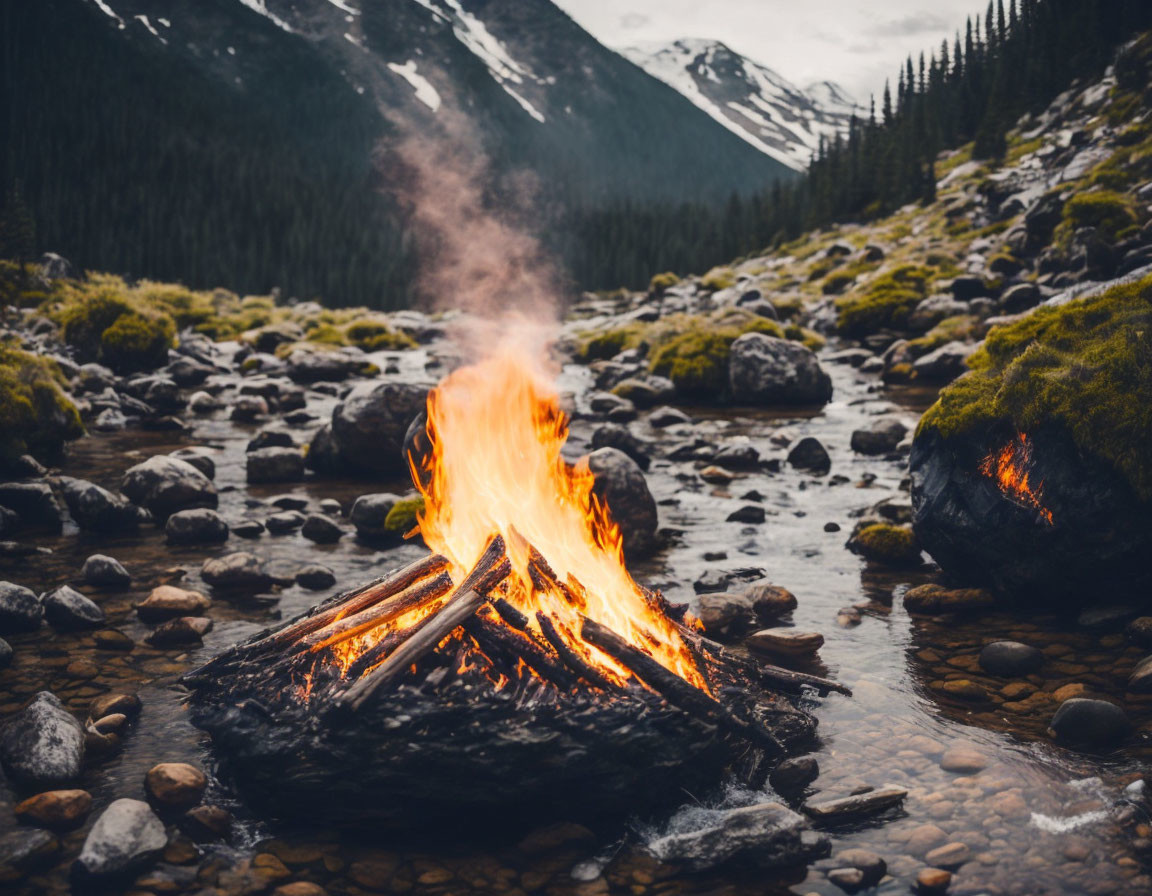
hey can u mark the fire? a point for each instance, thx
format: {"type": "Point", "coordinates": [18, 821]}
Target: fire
{"type": "Point", "coordinates": [495, 468]}
{"type": "Point", "coordinates": [1010, 468]}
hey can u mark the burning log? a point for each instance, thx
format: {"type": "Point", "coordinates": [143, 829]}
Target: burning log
{"type": "Point", "coordinates": [431, 630]}
{"type": "Point", "coordinates": [571, 658]}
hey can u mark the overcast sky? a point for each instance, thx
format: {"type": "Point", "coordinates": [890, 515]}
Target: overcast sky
{"type": "Point", "coordinates": [855, 43]}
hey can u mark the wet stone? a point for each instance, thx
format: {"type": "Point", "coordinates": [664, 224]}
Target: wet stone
{"type": "Point", "coordinates": [126, 837]}
{"type": "Point", "coordinates": [933, 881]}
{"type": "Point", "coordinates": [963, 760]}
{"type": "Point", "coordinates": [102, 571]}
{"type": "Point", "coordinates": [749, 513]}
{"type": "Point", "coordinates": [207, 823]}
{"type": "Point", "coordinates": [240, 571]}
{"type": "Point", "coordinates": [125, 704]}
{"type": "Point", "coordinates": [785, 642]}
{"type": "Point", "coordinates": [248, 529]}
{"type": "Point", "coordinates": [1140, 682]}
{"type": "Point", "coordinates": [934, 599]}
{"type": "Point", "coordinates": [196, 526]}
{"type": "Point", "coordinates": [851, 807]}
{"type": "Point", "coordinates": [791, 776]}
{"type": "Point", "coordinates": [950, 856]}
{"type": "Point", "coordinates": [321, 529]}
{"type": "Point", "coordinates": [168, 602]}
{"type": "Point", "coordinates": [810, 455]}
{"type": "Point", "coordinates": [20, 609]}
{"type": "Point", "coordinates": [6, 654]}
{"type": "Point", "coordinates": [315, 577]}
{"type": "Point", "coordinates": [42, 745]}
{"type": "Point", "coordinates": [184, 631]}
{"type": "Point", "coordinates": [175, 784]}
{"type": "Point", "coordinates": [67, 609]}
{"type": "Point", "coordinates": [286, 521]}
{"type": "Point", "coordinates": [871, 866]}
{"type": "Point", "coordinates": [1010, 659]}
{"type": "Point", "coordinates": [770, 601]}
{"type": "Point", "coordinates": [55, 809]}
{"type": "Point", "coordinates": [1090, 723]}
{"type": "Point", "coordinates": [25, 850]}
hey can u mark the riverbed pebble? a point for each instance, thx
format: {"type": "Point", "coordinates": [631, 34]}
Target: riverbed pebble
{"type": "Point", "coordinates": [175, 784]}
{"type": "Point", "coordinates": [55, 809]}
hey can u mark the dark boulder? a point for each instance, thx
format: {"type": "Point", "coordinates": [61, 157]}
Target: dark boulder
{"type": "Point", "coordinates": [612, 435]}
{"type": "Point", "coordinates": [369, 513]}
{"type": "Point", "coordinates": [67, 608]}
{"type": "Point", "coordinates": [20, 609]}
{"type": "Point", "coordinates": [1079, 531]}
{"type": "Point", "coordinates": [1010, 659]}
{"type": "Point", "coordinates": [34, 503]}
{"type": "Point", "coordinates": [1084, 722]}
{"type": "Point", "coordinates": [240, 571]}
{"type": "Point", "coordinates": [620, 484]}
{"type": "Point", "coordinates": [879, 438]}
{"type": "Point", "coordinates": [197, 526]}
{"type": "Point", "coordinates": [167, 484]}
{"type": "Point", "coordinates": [764, 370]}
{"type": "Point", "coordinates": [97, 509]}
{"type": "Point", "coordinates": [808, 454]}
{"type": "Point", "coordinates": [369, 426]}
{"type": "Point", "coordinates": [274, 465]}
{"type": "Point", "coordinates": [321, 529]}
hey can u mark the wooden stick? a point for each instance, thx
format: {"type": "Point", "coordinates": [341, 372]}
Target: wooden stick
{"type": "Point", "coordinates": [496, 638]}
{"type": "Point", "coordinates": [423, 637]}
{"type": "Point", "coordinates": [544, 578]}
{"type": "Point", "coordinates": [571, 658]}
{"type": "Point", "coordinates": [385, 611]}
{"type": "Point", "coordinates": [672, 687]}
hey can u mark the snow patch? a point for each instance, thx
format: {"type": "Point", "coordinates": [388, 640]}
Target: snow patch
{"type": "Point", "coordinates": [474, 34]}
{"type": "Point", "coordinates": [258, 6]}
{"type": "Point", "coordinates": [108, 11]}
{"type": "Point", "coordinates": [165, 23]}
{"type": "Point", "coordinates": [425, 92]}
{"type": "Point", "coordinates": [527, 106]}
{"type": "Point", "coordinates": [340, 4]}
{"type": "Point", "coordinates": [353, 39]}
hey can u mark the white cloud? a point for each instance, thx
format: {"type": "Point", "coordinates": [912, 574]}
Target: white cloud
{"type": "Point", "coordinates": [855, 44]}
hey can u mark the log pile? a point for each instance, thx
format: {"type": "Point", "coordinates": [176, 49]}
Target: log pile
{"type": "Point", "coordinates": [452, 701]}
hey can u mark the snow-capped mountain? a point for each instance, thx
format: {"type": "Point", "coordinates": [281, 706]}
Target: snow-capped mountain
{"type": "Point", "coordinates": [751, 100]}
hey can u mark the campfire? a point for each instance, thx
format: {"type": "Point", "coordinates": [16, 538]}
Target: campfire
{"type": "Point", "coordinates": [1011, 469]}
{"type": "Point", "coordinates": [521, 633]}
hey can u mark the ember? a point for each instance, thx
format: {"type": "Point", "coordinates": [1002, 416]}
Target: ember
{"type": "Point", "coordinates": [1010, 469]}
{"type": "Point", "coordinates": [522, 621]}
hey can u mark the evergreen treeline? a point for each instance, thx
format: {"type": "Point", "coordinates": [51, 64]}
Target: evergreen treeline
{"type": "Point", "coordinates": [1014, 58]}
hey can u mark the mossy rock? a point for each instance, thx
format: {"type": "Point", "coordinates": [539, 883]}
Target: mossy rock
{"type": "Point", "coordinates": [886, 302]}
{"type": "Point", "coordinates": [662, 282]}
{"type": "Point", "coordinates": [608, 343]}
{"type": "Point", "coordinates": [1085, 365]}
{"type": "Point", "coordinates": [403, 516]}
{"type": "Point", "coordinates": [697, 361]}
{"type": "Point", "coordinates": [35, 415]}
{"type": "Point", "coordinates": [135, 342]}
{"type": "Point", "coordinates": [372, 336]}
{"type": "Point", "coordinates": [887, 544]}
{"type": "Point", "coordinates": [718, 279]}
{"type": "Point", "coordinates": [1111, 213]}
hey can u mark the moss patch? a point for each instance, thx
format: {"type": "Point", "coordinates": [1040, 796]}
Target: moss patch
{"type": "Point", "coordinates": [35, 414]}
{"type": "Point", "coordinates": [661, 282]}
{"type": "Point", "coordinates": [887, 544]}
{"type": "Point", "coordinates": [403, 516]}
{"type": "Point", "coordinates": [885, 302]}
{"type": "Point", "coordinates": [1086, 364]}
{"type": "Point", "coordinates": [696, 360]}
{"type": "Point", "coordinates": [1112, 213]}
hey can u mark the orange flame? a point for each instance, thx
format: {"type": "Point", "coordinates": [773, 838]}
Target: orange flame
{"type": "Point", "coordinates": [496, 430]}
{"type": "Point", "coordinates": [1010, 468]}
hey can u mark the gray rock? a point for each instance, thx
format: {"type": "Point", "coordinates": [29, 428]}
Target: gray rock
{"type": "Point", "coordinates": [24, 850]}
{"type": "Point", "coordinates": [369, 512]}
{"type": "Point", "coordinates": [1010, 659]}
{"type": "Point", "coordinates": [272, 438]}
{"type": "Point", "coordinates": [109, 420]}
{"type": "Point", "coordinates": [321, 529]}
{"type": "Point", "coordinates": [202, 403]}
{"type": "Point", "coordinates": [1084, 722]}
{"type": "Point", "coordinates": [197, 457]}
{"type": "Point", "coordinates": [6, 654]}
{"type": "Point", "coordinates": [248, 408]}
{"type": "Point", "coordinates": [967, 288]}
{"type": "Point", "coordinates": [20, 609]}
{"type": "Point", "coordinates": [9, 522]}
{"type": "Point", "coordinates": [67, 608]}
{"type": "Point", "coordinates": [315, 577]}
{"type": "Point", "coordinates": [880, 438]}
{"type": "Point", "coordinates": [791, 776]}
{"type": "Point", "coordinates": [183, 631]}
{"type": "Point", "coordinates": [723, 614]}
{"type": "Point", "coordinates": [870, 866]}
{"type": "Point", "coordinates": [42, 745]}
{"type": "Point", "coordinates": [645, 391]}
{"type": "Point", "coordinates": [749, 513]}
{"type": "Point", "coordinates": [369, 426]}
{"type": "Point", "coordinates": [125, 838]}
{"type": "Point", "coordinates": [620, 484]}
{"type": "Point", "coordinates": [34, 503]}
{"type": "Point", "coordinates": [167, 484]}
{"type": "Point", "coordinates": [1020, 297]}
{"type": "Point", "coordinates": [855, 806]}
{"type": "Point", "coordinates": [933, 310]}
{"type": "Point", "coordinates": [197, 526]}
{"type": "Point", "coordinates": [285, 521]}
{"type": "Point", "coordinates": [945, 363]}
{"type": "Point", "coordinates": [612, 435]}
{"type": "Point", "coordinates": [766, 370]}
{"type": "Point", "coordinates": [311, 366]}
{"type": "Point", "coordinates": [275, 465]}
{"type": "Point", "coordinates": [240, 571]}
{"type": "Point", "coordinates": [1140, 681]}
{"type": "Point", "coordinates": [663, 416]}
{"type": "Point", "coordinates": [768, 835]}
{"type": "Point", "coordinates": [102, 571]}
{"type": "Point", "coordinates": [808, 454]}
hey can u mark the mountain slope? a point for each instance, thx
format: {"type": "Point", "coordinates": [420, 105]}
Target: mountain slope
{"type": "Point", "coordinates": [233, 140]}
{"type": "Point", "coordinates": [749, 99]}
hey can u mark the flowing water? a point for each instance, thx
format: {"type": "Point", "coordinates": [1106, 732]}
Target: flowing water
{"type": "Point", "coordinates": [1035, 818]}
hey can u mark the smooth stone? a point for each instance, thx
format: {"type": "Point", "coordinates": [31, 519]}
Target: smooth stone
{"type": "Point", "coordinates": [933, 881]}
{"type": "Point", "coordinates": [786, 642]}
{"type": "Point", "coordinates": [207, 823]}
{"type": "Point", "coordinates": [111, 724]}
{"type": "Point", "coordinates": [963, 760]}
{"type": "Point", "coordinates": [240, 571]}
{"type": "Point", "coordinates": [932, 599]}
{"type": "Point", "coordinates": [369, 512]}
{"type": "Point", "coordinates": [183, 631]}
{"type": "Point", "coordinates": [20, 609]}
{"type": "Point", "coordinates": [42, 745]}
{"type": "Point", "coordinates": [880, 438]}
{"type": "Point", "coordinates": [950, 856]}
{"type": "Point", "coordinates": [1010, 659]}
{"type": "Point", "coordinates": [665, 416]}
{"type": "Point", "coordinates": [6, 654]}
{"type": "Point", "coordinates": [126, 837]}
{"type": "Point", "coordinates": [791, 776]}
{"type": "Point", "coordinates": [166, 484]}
{"type": "Point", "coordinates": [68, 609]}
{"type": "Point", "coordinates": [102, 571]}
{"type": "Point", "coordinates": [25, 850]}
{"type": "Point", "coordinates": [1140, 682]}
{"type": "Point", "coordinates": [285, 521]}
{"type": "Point", "coordinates": [870, 803]}
{"type": "Point", "coordinates": [125, 704]}
{"type": "Point", "coordinates": [810, 455]}
{"type": "Point", "coordinates": [768, 834]}
{"type": "Point", "coordinates": [55, 809]}
{"type": "Point", "coordinates": [770, 601]}
{"type": "Point", "coordinates": [715, 475]}
{"type": "Point", "coordinates": [166, 602]}
{"type": "Point", "coordinates": [1086, 722]}
{"type": "Point", "coordinates": [175, 784]}
{"type": "Point", "coordinates": [96, 509]}
{"type": "Point", "coordinates": [315, 577]}
{"type": "Point", "coordinates": [723, 613]}
{"type": "Point", "coordinates": [199, 525]}
{"type": "Point", "coordinates": [321, 529]}
{"type": "Point", "coordinates": [750, 513]}
{"type": "Point", "coordinates": [248, 529]}
{"type": "Point", "coordinates": [266, 465]}
{"type": "Point", "coordinates": [847, 879]}
{"type": "Point", "coordinates": [868, 863]}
